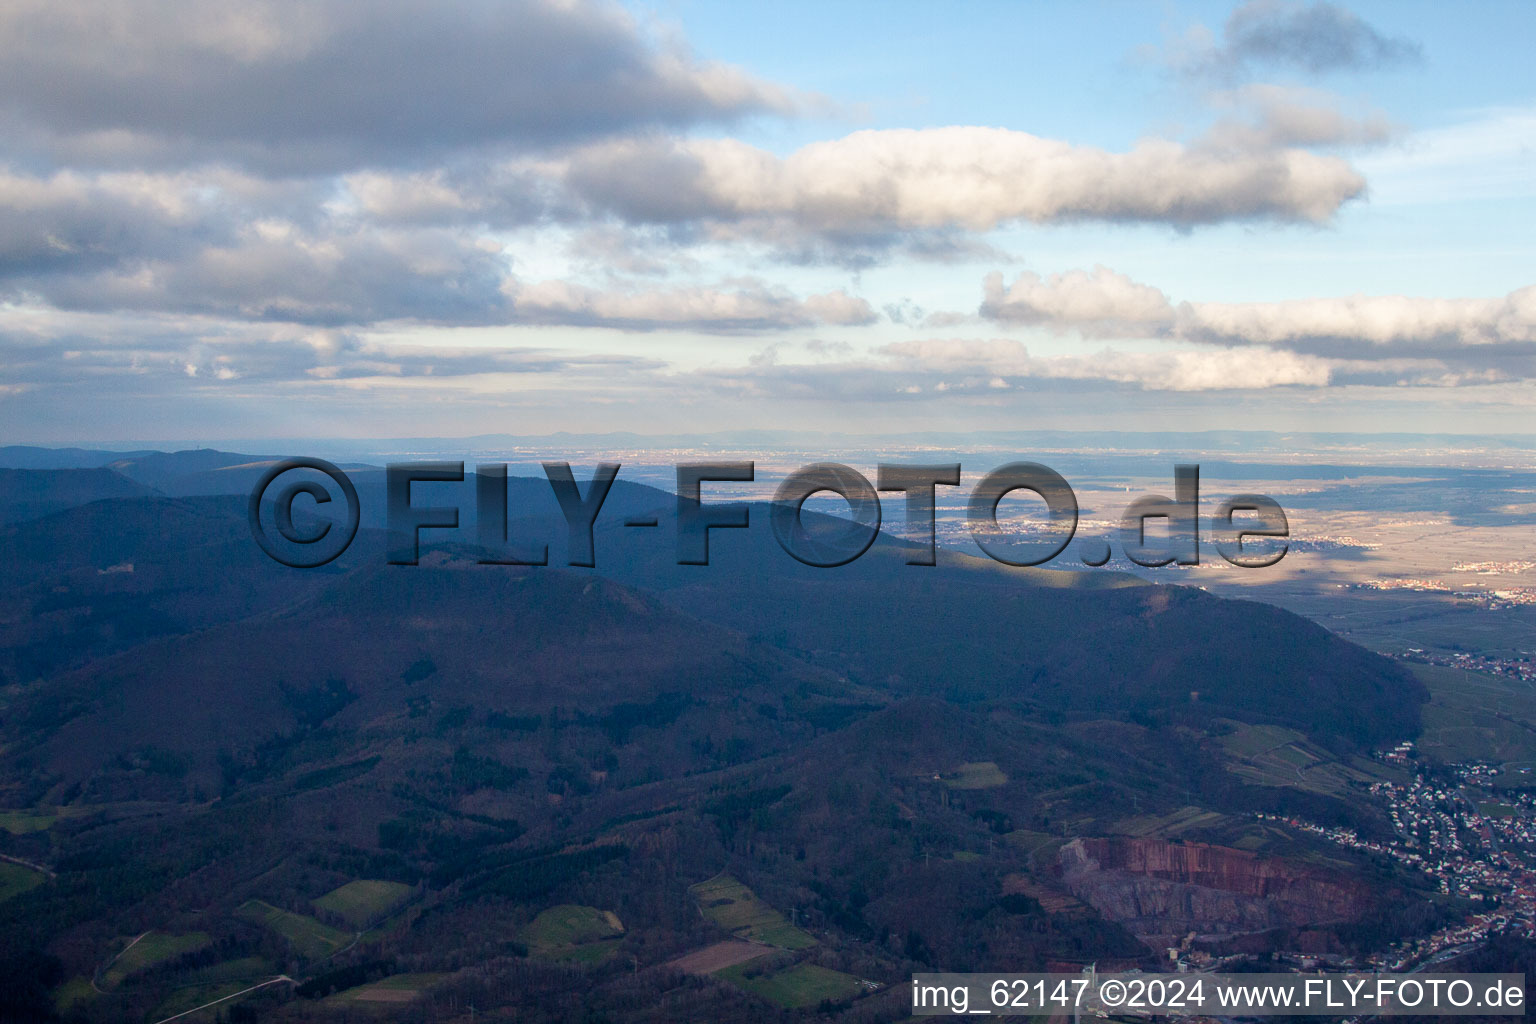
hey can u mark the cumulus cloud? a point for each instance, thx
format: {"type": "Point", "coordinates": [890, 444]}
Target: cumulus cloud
{"type": "Point", "coordinates": [1097, 302]}
{"type": "Point", "coordinates": [275, 270]}
{"type": "Point", "coordinates": [212, 197]}
{"type": "Point", "coordinates": [67, 221]}
{"type": "Point", "coordinates": [614, 251]}
{"type": "Point", "coordinates": [1377, 339]}
{"type": "Point", "coordinates": [1312, 37]}
{"type": "Point", "coordinates": [937, 179]}
{"type": "Point", "coordinates": [1106, 303]}
{"type": "Point", "coordinates": [746, 307]}
{"type": "Point", "coordinates": [1266, 116]}
{"type": "Point", "coordinates": [382, 146]}
{"type": "Point", "coordinates": [1361, 325]}
{"type": "Point", "coordinates": [1315, 38]}
{"type": "Point", "coordinates": [366, 276]}
{"type": "Point", "coordinates": [226, 245]}
{"type": "Point", "coordinates": [328, 85]}
{"type": "Point", "coordinates": [991, 370]}
{"type": "Point", "coordinates": [838, 307]}
{"type": "Point", "coordinates": [1184, 370]}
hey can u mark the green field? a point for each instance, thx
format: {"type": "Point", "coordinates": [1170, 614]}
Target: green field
{"type": "Point", "coordinates": [249, 969]}
{"type": "Point", "coordinates": [733, 907]}
{"type": "Point", "coordinates": [75, 990]}
{"type": "Point", "coordinates": [308, 936]}
{"type": "Point", "coordinates": [1270, 755]}
{"type": "Point", "coordinates": [1258, 837]}
{"type": "Point", "coordinates": [1174, 823]}
{"type": "Point", "coordinates": [976, 775]}
{"type": "Point", "coordinates": [1475, 716]}
{"type": "Point", "coordinates": [153, 949]}
{"type": "Point", "coordinates": [36, 819]}
{"type": "Point", "coordinates": [1037, 846]}
{"type": "Point", "coordinates": [589, 953]}
{"type": "Point", "coordinates": [571, 932]}
{"type": "Point", "coordinates": [392, 991]}
{"type": "Point", "coordinates": [1202, 825]}
{"type": "Point", "coordinates": [184, 999]}
{"type": "Point", "coordinates": [15, 879]}
{"type": "Point", "coordinates": [798, 987]}
{"type": "Point", "coordinates": [1251, 740]}
{"type": "Point", "coordinates": [21, 822]}
{"type": "Point", "coordinates": [362, 902]}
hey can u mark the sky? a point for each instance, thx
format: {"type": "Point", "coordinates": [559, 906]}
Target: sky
{"type": "Point", "coordinates": [349, 220]}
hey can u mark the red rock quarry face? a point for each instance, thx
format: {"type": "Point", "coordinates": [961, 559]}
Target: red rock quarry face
{"type": "Point", "coordinates": [1159, 889]}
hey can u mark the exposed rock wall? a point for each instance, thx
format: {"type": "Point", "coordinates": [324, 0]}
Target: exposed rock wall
{"type": "Point", "coordinates": [1162, 891]}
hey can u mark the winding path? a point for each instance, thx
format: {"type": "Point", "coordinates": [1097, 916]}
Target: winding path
{"type": "Point", "coordinates": [107, 966]}
{"type": "Point", "coordinates": [224, 999]}
{"type": "Point", "coordinates": [28, 864]}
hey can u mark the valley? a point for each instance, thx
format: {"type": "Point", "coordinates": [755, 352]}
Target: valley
{"type": "Point", "coordinates": [716, 795]}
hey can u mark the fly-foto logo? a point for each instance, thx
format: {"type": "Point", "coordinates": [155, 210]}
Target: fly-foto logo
{"type": "Point", "coordinates": [834, 542]}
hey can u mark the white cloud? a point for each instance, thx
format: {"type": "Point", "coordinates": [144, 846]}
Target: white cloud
{"type": "Point", "coordinates": [105, 351]}
{"type": "Point", "coordinates": [278, 270]}
{"type": "Point", "coordinates": [748, 306]}
{"type": "Point", "coordinates": [942, 178]}
{"type": "Point", "coordinates": [1100, 301]}
{"type": "Point", "coordinates": [838, 307]}
{"type": "Point", "coordinates": [1380, 321]}
{"type": "Point", "coordinates": [1314, 38]}
{"type": "Point", "coordinates": [334, 85]}
{"type": "Point", "coordinates": [1184, 370]}
{"type": "Point", "coordinates": [67, 220]}
{"type": "Point", "coordinates": [1106, 303]}
{"type": "Point", "coordinates": [1265, 116]}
